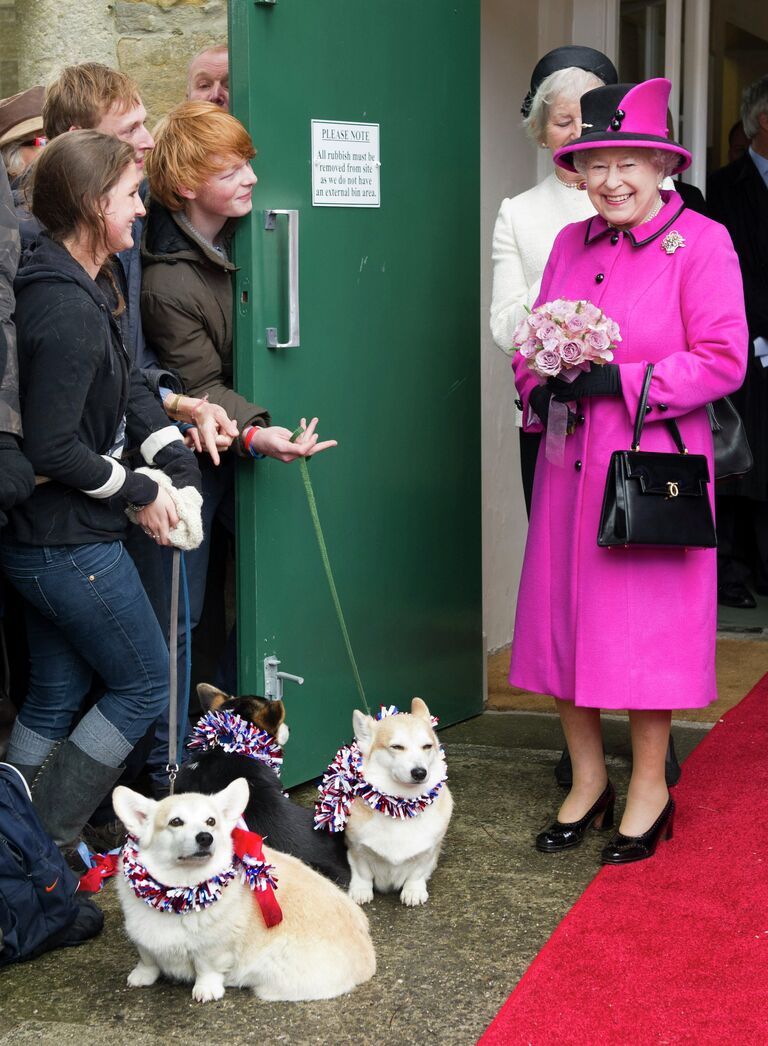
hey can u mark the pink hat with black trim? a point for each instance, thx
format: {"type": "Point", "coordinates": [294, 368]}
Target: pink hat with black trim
{"type": "Point", "coordinates": [624, 116]}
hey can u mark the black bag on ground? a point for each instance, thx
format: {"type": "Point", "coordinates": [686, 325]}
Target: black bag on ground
{"type": "Point", "coordinates": [733, 455]}
{"type": "Point", "coordinates": [656, 499]}
{"type": "Point", "coordinates": [39, 906]}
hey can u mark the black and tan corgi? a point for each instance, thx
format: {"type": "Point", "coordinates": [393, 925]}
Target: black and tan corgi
{"type": "Point", "coordinates": [284, 825]}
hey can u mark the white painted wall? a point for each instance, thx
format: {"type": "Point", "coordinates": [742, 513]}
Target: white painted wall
{"type": "Point", "coordinates": [515, 33]}
{"type": "Point", "coordinates": [508, 166]}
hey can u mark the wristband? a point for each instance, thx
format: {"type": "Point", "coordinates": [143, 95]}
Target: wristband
{"type": "Point", "coordinates": [173, 407]}
{"type": "Point", "coordinates": [248, 435]}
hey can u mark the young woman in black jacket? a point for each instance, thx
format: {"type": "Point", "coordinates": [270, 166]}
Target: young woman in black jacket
{"type": "Point", "coordinates": [86, 610]}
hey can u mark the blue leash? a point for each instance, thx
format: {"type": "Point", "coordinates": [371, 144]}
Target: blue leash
{"type": "Point", "coordinates": [187, 655]}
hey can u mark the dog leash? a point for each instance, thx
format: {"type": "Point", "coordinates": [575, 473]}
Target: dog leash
{"type": "Point", "coordinates": [328, 572]}
{"type": "Point", "coordinates": [178, 568]}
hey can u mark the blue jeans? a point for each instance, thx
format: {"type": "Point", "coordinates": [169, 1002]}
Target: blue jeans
{"type": "Point", "coordinates": [86, 612]}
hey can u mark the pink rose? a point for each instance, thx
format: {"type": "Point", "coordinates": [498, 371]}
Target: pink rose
{"type": "Point", "coordinates": [547, 363]}
{"type": "Point", "coordinates": [597, 341]}
{"type": "Point", "coordinates": [529, 348]}
{"type": "Point", "coordinates": [571, 353]}
{"type": "Point", "coordinates": [559, 309]}
{"type": "Point", "coordinates": [547, 331]}
{"type": "Point", "coordinates": [591, 313]}
{"type": "Point", "coordinates": [521, 332]}
{"type": "Point", "coordinates": [576, 323]}
{"type": "Point", "coordinates": [535, 320]}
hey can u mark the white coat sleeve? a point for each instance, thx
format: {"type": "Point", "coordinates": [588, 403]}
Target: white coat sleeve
{"type": "Point", "coordinates": [511, 293]}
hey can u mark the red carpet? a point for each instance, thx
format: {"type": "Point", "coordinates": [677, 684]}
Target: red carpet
{"type": "Point", "coordinates": [673, 950]}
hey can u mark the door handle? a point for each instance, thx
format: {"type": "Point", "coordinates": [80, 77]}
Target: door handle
{"type": "Point", "coordinates": [273, 679]}
{"type": "Point", "coordinates": [270, 224]}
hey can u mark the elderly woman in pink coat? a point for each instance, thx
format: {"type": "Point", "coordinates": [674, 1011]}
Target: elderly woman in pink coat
{"type": "Point", "coordinates": [625, 628]}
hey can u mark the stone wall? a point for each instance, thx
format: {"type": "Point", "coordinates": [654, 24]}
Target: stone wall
{"type": "Point", "coordinates": [151, 40]}
{"type": "Point", "coordinates": [9, 63]}
{"type": "Point", "coordinates": [157, 38]}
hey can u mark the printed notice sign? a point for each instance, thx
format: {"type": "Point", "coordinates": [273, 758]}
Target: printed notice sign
{"type": "Point", "coordinates": [345, 164]}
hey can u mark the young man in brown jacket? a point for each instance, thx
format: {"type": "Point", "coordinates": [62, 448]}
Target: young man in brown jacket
{"type": "Point", "coordinates": [200, 181]}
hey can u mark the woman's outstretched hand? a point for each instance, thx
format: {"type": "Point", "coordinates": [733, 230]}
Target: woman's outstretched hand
{"type": "Point", "coordinates": [275, 442]}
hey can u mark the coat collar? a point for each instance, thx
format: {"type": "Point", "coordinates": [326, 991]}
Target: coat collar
{"type": "Point", "coordinates": [598, 227]}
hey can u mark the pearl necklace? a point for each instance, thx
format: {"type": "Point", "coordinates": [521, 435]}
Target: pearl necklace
{"type": "Point", "coordinates": [649, 216]}
{"type": "Point", "coordinates": [569, 185]}
{"type": "Point", "coordinates": [653, 211]}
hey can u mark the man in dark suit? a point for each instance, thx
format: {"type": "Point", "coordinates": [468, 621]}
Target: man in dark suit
{"type": "Point", "coordinates": [737, 196]}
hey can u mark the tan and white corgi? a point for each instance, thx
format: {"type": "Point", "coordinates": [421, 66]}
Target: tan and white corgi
{"type": "Point", "coordinates": [401, 760]}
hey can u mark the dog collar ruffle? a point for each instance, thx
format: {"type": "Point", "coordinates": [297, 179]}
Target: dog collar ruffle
{"type": "Point", "coordinates": [236, 735]}
{"type": "Point", "coordinates": [248, 864]}
{"type": "Point", "coordinates": [343, 782]}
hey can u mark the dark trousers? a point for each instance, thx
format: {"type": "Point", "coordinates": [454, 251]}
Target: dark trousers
{"type": "Point", "coordinates": [529, 451]}
{"type": "Point", "coordinates": [742, 541]}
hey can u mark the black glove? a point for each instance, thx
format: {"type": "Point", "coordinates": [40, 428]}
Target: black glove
{"type": "Point", "coordinates": [602, 380]}
{"type": "Point", "coordinates": [17, 477]}
{"type": "Point", "coordinates": [539, 401]}
{"type": "Point", "coordinates": [179, 463]}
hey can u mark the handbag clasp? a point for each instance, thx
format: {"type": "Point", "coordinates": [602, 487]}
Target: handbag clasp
{"type": "Point", "coordinates": [672, 490]}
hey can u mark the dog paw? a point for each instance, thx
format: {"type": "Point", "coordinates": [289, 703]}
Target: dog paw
{"type": "Point", "coordinates": [361, 893]}
{"type": "Point", "coordinates": [142, 976]}
{"type": "Point", "coordinates": [414, 894]}
{"type": "Point", "coordinates": [208, 990]}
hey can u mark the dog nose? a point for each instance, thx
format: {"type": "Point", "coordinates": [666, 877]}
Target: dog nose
{"type": "Point", "coordinates": [203, 839]}
{"type": "Point", "coordinates": [418, 773]}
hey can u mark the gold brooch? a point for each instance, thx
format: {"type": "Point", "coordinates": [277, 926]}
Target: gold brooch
{"type": "Point", "coordinates": [672, 241]}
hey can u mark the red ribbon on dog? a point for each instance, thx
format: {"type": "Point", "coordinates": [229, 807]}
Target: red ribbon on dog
{"type": "Point", "coordinates": [104, 867]}
{"type": "Point", "coordinates": [248, 844]}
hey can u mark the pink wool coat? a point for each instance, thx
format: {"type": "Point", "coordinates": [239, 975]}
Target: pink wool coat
{"type": "Point", "coordinates": [624, 628]}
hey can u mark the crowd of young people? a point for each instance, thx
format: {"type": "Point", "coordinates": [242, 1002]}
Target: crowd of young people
{"type": "Point", "coordinates": [123, 358]}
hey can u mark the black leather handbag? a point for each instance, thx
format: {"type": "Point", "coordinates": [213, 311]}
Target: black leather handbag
{"type": "Point", "coordinates": [655, 499]}
{"type": "Point", "coordinates": [733, 456]}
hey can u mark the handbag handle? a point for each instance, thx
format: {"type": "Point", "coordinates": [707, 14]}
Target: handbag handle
{"type": "Point", "coordinates": [640, 416]}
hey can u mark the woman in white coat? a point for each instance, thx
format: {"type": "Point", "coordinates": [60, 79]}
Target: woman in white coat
{"type": "Point", "coordinates": [528, 224]}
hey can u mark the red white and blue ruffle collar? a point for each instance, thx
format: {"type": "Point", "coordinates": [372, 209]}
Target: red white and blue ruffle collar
{"type": "Point", "coordinates": [343, 782]}
{"type": "Point", "coordinates": [236, 735]}
{"type": "Point", "coordinates": [248, 864]}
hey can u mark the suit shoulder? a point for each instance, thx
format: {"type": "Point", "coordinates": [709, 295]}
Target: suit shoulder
{"type": "Point", "coordinates": [724, 177]}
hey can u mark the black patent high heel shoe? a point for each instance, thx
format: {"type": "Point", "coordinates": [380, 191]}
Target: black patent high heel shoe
{"type": "Point", "coordinates": [624, 849]}
{"type": "Point", "coordinates": [565, 836]}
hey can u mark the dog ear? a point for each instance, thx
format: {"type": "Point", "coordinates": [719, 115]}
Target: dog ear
{"type": "Point", "coordinates": [420, 710]}
{"type": "Point", "coordinates": [135, 811]}
{"type": "Point", "coordinates": [234, 799]}
{"type": "Point", "coordinates": [210, 696]}
{"type": "Point", "coordinates": [363, 727]}
{"type": "Point", "coordinates": [272, 714]}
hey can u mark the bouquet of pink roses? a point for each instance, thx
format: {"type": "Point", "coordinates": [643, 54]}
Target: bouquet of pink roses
{"type": "Point", "coordinates": [566, 336]}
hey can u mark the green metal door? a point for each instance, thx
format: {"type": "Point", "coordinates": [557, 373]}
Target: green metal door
{"type": "Point", "coordinates": [388, 356]}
